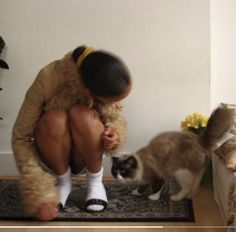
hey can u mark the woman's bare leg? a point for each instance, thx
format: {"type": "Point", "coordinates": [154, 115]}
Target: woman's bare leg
{"type": "Point", "coordinates": [86, 131]}
{"type": "Point", "coordinates": [77, 162]}
{"type": "Point", "coordinates": [53, 140]}
{"type": "Point", "coordinates": [55, 145]}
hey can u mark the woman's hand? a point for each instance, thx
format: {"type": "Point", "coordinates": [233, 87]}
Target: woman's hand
{"type": "Point", "coordinates": [110, 139]}
{"type": "Point", "coordinates": [47, 212]}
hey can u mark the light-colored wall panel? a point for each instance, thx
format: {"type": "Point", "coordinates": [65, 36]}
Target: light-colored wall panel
{"type": "Point", "coordinates": [223, 52]}
{"type": "Point", "coordinates": [165, 43]}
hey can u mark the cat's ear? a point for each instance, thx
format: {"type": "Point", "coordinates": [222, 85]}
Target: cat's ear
{"type": "Point", "coordinates": [114, 159]}
{"type": "Point", "coordinates": [132, 162]}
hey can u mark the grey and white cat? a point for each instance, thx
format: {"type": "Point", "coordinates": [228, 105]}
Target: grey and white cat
{"type": "Point", "coordinates": [182, 156]}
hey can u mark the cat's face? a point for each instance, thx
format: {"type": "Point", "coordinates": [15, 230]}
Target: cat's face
{"type": "Point", "coordinates": [124, 168]}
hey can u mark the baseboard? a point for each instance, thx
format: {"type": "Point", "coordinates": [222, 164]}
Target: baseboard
{"type": "Point", "coordinates": [7, 164]}
{"type": "Point", "coordinates": [77, 178]}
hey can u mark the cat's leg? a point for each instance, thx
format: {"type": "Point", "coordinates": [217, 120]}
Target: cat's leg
{"type": "Point", "coordinates": [185, 179]}
{"type": "Point", "coordinates": [139, 191]}
{"type": "Point", "coordinates": [157, 186]}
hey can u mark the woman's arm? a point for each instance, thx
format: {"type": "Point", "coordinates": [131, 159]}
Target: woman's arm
{"type": "Point", "coordinates": [37, 186]}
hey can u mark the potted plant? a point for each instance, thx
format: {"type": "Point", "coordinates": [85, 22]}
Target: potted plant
{"type": "Point", "coordinates": [3, 64]}
{"type": "Point", "coordinates": [196, 123]}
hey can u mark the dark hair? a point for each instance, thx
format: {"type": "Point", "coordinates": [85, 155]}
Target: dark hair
{"type": "Point", "coordinates": [102, 73]}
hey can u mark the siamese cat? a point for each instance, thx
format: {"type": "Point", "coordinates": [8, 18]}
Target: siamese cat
{"type": "Point", "coordinates": [179, 156]}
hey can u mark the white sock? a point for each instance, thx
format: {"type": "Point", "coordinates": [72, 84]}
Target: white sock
{"type": "Point", "coordinates": [95, 189]}
{"type": "Point", "coordinates": [64, 186]}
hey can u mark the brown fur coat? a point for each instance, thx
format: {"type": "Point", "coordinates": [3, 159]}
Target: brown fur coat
{"type": "Point", "coordinates": [57, 86]}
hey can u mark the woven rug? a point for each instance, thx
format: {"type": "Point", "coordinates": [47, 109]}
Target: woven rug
{"type": "Point", "coordinates": [122, 206]}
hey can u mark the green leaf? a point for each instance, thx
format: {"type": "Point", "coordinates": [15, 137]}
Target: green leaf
{"type": "Point", "coordinates": [2, 44]}
{"type": "Point", "coordinates": [3, 64]}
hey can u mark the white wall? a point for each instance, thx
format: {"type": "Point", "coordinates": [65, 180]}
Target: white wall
{"type": "Point", "coordinates": [165, 43]}
{"type": "Point", "coordinates": [223, 52]}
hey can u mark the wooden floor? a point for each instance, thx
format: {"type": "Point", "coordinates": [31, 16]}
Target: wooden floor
{"type": "Point", "coordinates": [207, 218]}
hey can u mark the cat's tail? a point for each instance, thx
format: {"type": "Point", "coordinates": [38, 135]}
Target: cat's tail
{"type": "Point", "coordinates": [218, 123]}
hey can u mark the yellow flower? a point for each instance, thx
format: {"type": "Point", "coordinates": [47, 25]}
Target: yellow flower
{"type": "Point", "coordinates": [194, 122]}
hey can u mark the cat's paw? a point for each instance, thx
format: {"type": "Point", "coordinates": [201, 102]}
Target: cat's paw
{"type": "Point", "coordinates": [135, 192]}
{"type": "Point", "coordinates": [176, 197]}
{"type": "Point", "coordinates": [154, 197]}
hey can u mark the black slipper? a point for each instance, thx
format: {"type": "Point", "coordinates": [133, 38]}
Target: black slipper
{"type": "Point", "coordinates": [95, 202]}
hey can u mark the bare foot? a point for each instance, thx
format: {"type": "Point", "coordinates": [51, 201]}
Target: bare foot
{"type": "Point", "coordinates": [47, 212]}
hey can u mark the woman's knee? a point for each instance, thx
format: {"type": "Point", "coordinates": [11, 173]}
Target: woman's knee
{"type": "Point", "coordinates": [53, 123]}
{"type": "Point", "coordinates": [82, 117]}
